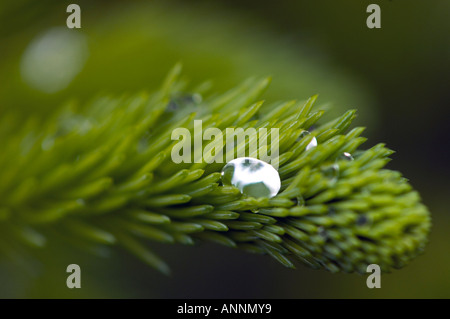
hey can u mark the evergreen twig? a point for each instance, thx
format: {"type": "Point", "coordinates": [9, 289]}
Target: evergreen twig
{"type": "Point", "coordinates": [102, 175]}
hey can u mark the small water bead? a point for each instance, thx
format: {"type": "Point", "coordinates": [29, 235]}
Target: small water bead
{"type": "Point", "coordinates": [172, 106]}
{"type": "Point", "coordinates": [312, 143]}
{"type": "Point", "coordinates": [252, 177]}
{"type": "Point", "coordinates": [299, 201]}
{"type": "Point", "coordinates": [322, 232]}
{"type": "Point", "coordinates": [331, 211]}
{"type": "Point", "coordinates": [196, 98]}
{"type": "Point", "coordinates": [346, 156]}
{"type": "Point", "coordinates": [362, 220]}
{"type": "Point", "coordinates": [331, 172]}
{"type": "Point", "coordinates": [184, 101]}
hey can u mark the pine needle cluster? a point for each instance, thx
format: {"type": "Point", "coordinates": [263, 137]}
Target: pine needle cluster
{"type": "Point", "coordinates": [102, 175]}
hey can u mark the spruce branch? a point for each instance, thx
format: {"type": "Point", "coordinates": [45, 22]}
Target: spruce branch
{"type": "Point", "coordinates": [102, 175]}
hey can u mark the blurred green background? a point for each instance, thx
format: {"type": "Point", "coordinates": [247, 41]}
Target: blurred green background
{"type": "Point", "coordinates": [398, 77]}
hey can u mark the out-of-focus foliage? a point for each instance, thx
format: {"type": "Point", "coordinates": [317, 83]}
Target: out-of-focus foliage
{"type": "Point", "coordinates": [131, 46]}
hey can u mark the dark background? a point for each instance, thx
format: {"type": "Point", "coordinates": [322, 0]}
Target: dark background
{"type": "Point", "coordinates": [398, 77]}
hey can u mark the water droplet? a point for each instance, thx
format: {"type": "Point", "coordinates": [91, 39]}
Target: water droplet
{"type": "Point", "coordinates": [346, 156]}
{"type": "Point", "coordinates": [331, 211]}
{"type": "Point", "coordinates": [322, 232]}
{"type": "Point", "coordinates": [252, 177]}
{"type": "Point", "coordinates": [187, 101]}
{"type": "Point", "coordinates": [362, 220]}
{"type": "Point", "coordinates": [302, 135]}
{"type": "Point", "coordinates": [172, 106]}
{"type": "Point", "coordinates": [196, 98]}
{"type": "Point", "coordinates": [331, 172]}
{"type": "Point", "coordinates": [312, 143]}
{"type": "Point", "coordinates": [299, 201]}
